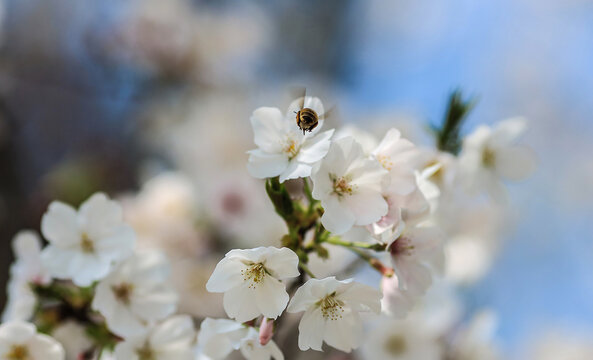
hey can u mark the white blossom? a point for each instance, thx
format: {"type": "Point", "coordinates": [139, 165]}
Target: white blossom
{"type": "Point", "coordinates": [399, 340]}
{"type": "Point", "coordinates": [136, 294]}
{"type": "Point", "coordinates": [396, 302]}
{"type": "Point", "coordinates": [218, 338]}
{"type": "Point", "coordinates": [84, 245]}
{"type": "Point", "coordinates": [416, 255]}
{"type": "Point", "coordinates": [251, 348]}
{"type": "Point", "coordinates": [26, 270]}
{"type": "Point", "coordinates": [349, 186]}
{"type": "Point", "coordinates": [251, 281]}
{"type": "Point", "coordinates": [73, 338]}
{"type": "Point", "coordinates": [283, 149]}
{"type": "Point", "coordinates": [173, 339]}
{"type": "Point", "coordinates": [20, 340]}
{"type": "Point", "coordinates": [491, 154]}
{"type": "Point", "coordinates": [332, 310]}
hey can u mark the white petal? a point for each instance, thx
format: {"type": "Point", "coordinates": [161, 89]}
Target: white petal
{"type": "Point", "coordinates": [226, 275]}
{"type": "Point", "coordinates": [263, 165]}
{"type": "Point", "coordinates": [26, 244]}
{"type": "Point", "coordinates": [46, 348]}
{"type": "Point", "coordinates": [178, 330]}
{"type": "Point", "coordinates": [124, 323]}
{"type": "Point", "coordinates": [315, 148]}
{"type": "Point", "coordinates": [100, 216]}
{"type": "Point", "coordinates": [362, 297]}
{"type": "Point", "coordinates": [85, 269]}
{"type": "Point", "coordinates": [59, 225]}
{"type": "Point", "coordinates": [271, 297]}
{"type": "Point", "coordinates": [337, 216]}
{"type": "Point", "coordinates": [366, 206]}
{"type": "Point", "coordinates": [515, 162]}
{"type": "Point", "coordinates": [311, 330]}
{"type": "Point", "coordinates": [508, 131]}
{"type": "Point", "coordinates": [126, 350]}
{"type": "Point", "coordinates": [118, 246]}
{"type": "Point", "coordinates": [269, 128]}
{"type": "Point", "coordinates": [283, 263]}
{"type": "Point", "coordinates": [344, 334]}
{"type": "Point", "coordinates": [295, 170]}
{"type": "Point", "coordinates": [240, 303]}
{"type": "Point", "coordinates": [156, 304]}
{"type": "Point", "coordinates": [17, 332]}
{"type": "Point", "coordinates": [413, 276]}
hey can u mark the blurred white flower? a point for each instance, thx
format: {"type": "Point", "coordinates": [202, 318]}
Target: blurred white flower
{"type": "Point", "coordinates": [20, 340]}
{"type": "Point", "coordinates": [349, 186]}
{"type": "Point", "coordinates": [332, 310]}
{"type": "Point", "coordinates": [84, 245]}
{"type": "Point", "coordinates": [137, 293]}
{"type": "Point", "coordinates": [401, 340]}
{"type": "Point", "coordinates": [396, 302]}
{"type": "Point", "coordinates": [492, 154]}
{"type": "Point", "coordinates": [251, 348]}
{"type": "Point", "coordinates": [174, 338]}
{"type": "Point", "coordinates": [416, 255]}
{"type": "Point", "coordinates": [283, 150]}
{"type": "Point", "coordinates": [366, 139]}
{"type": "Point", "coordinates": [251, 281]}
{"type": "Point", "coordinates": [217, 338]}
{"type": "Point", "coordinates": [475, 341]}
{"type": "Point", "coordinates": [562, 344]}
{"type": "Point", "coordinates": [73, 338]}
{"type": "Point", "coordinates": [26, 270]}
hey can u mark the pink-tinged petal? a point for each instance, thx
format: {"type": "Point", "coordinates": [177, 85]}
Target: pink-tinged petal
{"type": "Point", "coordinates": [263, 165]}
{"type": "Point", "coordinates": [413, 276]}
{"type": "Point", "coordinates": [295, 170]}
{"type": "Point", "coordinates": [337, 217]}
{"type": "Point", "coordinates": [269, 128]}
{"type": "Point", "coordinates": [240, 303]}
{"type": "Point", "coordinates": [366, 206]}
{"type": "Point", "coordinates": [271, 297]}
{"type": "Point", "coordinates": [396, 302]}
{"type": "Point", "coordinates": [311, 330]}
{"type": "Point", "coordinates": [282, 263]}
{"type": "Point", "coordinates": [515, 162]}
{"type": "Point", "coordinates": [59, 225]}
{"type": "Point", "coordinates": [315, 148]}
{"type": "Point", "coordinates": [100, 216]}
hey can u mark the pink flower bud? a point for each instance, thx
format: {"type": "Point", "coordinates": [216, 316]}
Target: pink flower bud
{"type": "Point", "coordinates": [266, 331]}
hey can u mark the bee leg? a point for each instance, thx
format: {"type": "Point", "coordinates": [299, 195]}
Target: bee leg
{"type": "Point", "coordinates": [313, 127]}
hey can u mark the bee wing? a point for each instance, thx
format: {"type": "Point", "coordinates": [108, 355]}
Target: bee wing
{"type": "Point", "coordinates": [299, 93]}
{"type": "Point", "coordinates": [328, 114]}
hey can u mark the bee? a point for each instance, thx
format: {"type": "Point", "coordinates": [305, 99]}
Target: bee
{"type": "Point", "coordinates": [307, 119]}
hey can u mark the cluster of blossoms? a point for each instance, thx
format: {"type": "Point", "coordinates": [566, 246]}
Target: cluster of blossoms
{"type": "Point", "coordinates": [100, 295]}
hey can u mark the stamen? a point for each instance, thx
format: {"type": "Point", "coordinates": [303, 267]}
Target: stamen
{"type": "Point", "coordinates": [254, 274]}
{"type": "Point", "coordinates": [331, 308]}
{"type": "Point", "coordinates": [145, 353]}
{"type": "Point", "coordinates": [86, 244]}
{"type": "Point", "coordinates": [385, 161]}
{"type": "Point", "coordinates": [18, 352]}
{"type": "Point", "coordinates": [341, 185]}
{"type": "Point", "coordinates": [396, 345]}
{"type": "Point", "coordinates": [488, 158]}
{"type": "Point", "coordinates": [291, 147]}
{"type": "Point", "coordinates": [123, 292]}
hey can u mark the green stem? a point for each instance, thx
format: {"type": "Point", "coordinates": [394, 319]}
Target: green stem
{"type": "Point", "coordinates": [305, 268]}
{"type": "Point", "coordinates": [309, 194]}
{"type": "Point", "coordinates": [355, 244]}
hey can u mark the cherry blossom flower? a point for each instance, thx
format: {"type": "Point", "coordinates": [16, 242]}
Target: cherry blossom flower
{"type": "Point", "coordinates": [73, 338]}
{"type": "Point", "coordinates": [136, 294]}
{"type": "Point", "coordinates": [349, 186]}
{"type": "Point", "coordinates": [20, 340]}
{"type": "Point", "coordinates": [218, 338]}
{"type": "Point", "coordinates": [396, 301]}
{"type": "Point", "coordinates": [251, 281]}
{"type": "Point", "coordinates": [172, 339]}
{"type": "Point", "coordinates": [251, 348]}
{"type": "Point", "coordinates": [283, 149]}
{"type": "Point", "coordinates": [332, 310]}
{"type": "Point", "coordinates": [491, 154]}
{"type": "Point", "coordinates": [84, 245]}
{"type": "Point", "coordinates": [399, 340]}
{"type": "Point", "coordinates": [26, 270]}
{"type": "Point", "coordinates": [416, 254]}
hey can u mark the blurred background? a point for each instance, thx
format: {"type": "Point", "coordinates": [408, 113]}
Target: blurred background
{"type": "Point", "coordinates": [106, 95]}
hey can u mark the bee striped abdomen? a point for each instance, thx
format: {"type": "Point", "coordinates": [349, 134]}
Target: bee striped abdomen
{"type": "Point", "coordinates": [307, 119]}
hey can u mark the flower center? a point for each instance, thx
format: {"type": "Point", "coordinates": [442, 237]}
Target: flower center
{"type": "Point", "coordinates": [331, 308]}
{"type": "Point", "coordinates": [291, 147]}
{"type": "Point", "coordinates": [18, 352]}
{"type": "Point", "coordinates": [341, 185]}
{"type": "Point", "coordinates": [254, 274]}
{"type": "Point", "coordinates": [385, 162]}
{"type": "Point", "coordinates": [402, 246]}
{"type": "Point", "coordinates": [86, 244]}
{"type": "Point", "coordinates": [396, 345]}
{"type": "Point", "coordinates": [123, 292]}
{"type": "Point", "coordinates": [145, 353]}
{"type": "Point", "coordinates": [488, 158]}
